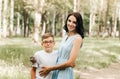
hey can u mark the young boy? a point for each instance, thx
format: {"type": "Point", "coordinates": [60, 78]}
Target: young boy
{"type": "Point", "coordinates": [45, 57]}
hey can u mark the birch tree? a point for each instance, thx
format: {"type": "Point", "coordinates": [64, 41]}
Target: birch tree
{"type": "Point", "coordinates": [115, 19]}
{"type": "Point", "coordinates": [75, 6]}
{"type": "Point", "coordinates": [5, 23]}
{"type": "Point", "coordinates": [53, 22]}
{"type": "Point", "coordinates": [0, 18]}
{"type": "Point", "coordinates": [26, 25]}
{"type": "Point", "coordinates": [38, 5]}
{"type": "Point", "coordinates": [93, 9]}
{"type": "Point", "coordinates": [106, 10]}
{"type": "Point", "coordinates": [119, 20]}
{"type": "Point", "coordinates": [18, 24]}
{"type": "Point", "coordinates": [11, 18]}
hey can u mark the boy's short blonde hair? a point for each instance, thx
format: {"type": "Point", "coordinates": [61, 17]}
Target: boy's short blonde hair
{"type": "Point", "coordinates": [46, 35]}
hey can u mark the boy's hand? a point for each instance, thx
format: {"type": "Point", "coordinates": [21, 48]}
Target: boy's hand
{"type": "Point", "coordinates": [32, 59]}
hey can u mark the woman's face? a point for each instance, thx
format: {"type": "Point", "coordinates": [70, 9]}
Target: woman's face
{"type": "Point", "coordinates": [71, 23]}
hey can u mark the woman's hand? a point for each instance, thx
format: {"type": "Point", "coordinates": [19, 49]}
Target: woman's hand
{"type": "Point", "coordinates": [44, 71]}
{"type": "Point", "coordinates": [32, 59]}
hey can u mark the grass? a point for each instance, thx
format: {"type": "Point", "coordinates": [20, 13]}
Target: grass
{"type": "Point", "coordinates": [98, 53]}
{"type": "Point", "coordinates": [15, 53]}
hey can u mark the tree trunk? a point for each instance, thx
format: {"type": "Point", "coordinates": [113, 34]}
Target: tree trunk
{"type": "Point", "coordinates": [25, 15]}
{"type": "Point", "coordinates": [11, 18]}
{"type": "Point", "coordinates": [53, 23]}
{"type": "Point", "coordinates": [44, 28]}
{"type": "Point", "coordinates": [0, 18]}
{"type": "Point", "coordinates": [64, 16]}
{"type": "Point", "coordinates": [63, 22]}
{"type": "Point", "coordinates": [106, 18]}
{"type": "Point", "coordinates": [78, 6]}
{"type": "Point", "coordinates": [93, 8]}
{"type": "Point", "coordinates": [91, 24]}
{"type": "Point", "coordinates": [75, 6]}
{"type": "Point", "coordinates": [38, 17]}
{"type": "Point", "coordinates": [37, 23]}
{"type": "Point", "coordinates": [5, 23]}
{"type": "Point", "coordinates": [18, 24]}
{"type": "Point", "coordinates": [99, 24]}
{"type": "Point", "coordinates": [115, 22]}
{"type": "Point", "coordinates": [119, 22]}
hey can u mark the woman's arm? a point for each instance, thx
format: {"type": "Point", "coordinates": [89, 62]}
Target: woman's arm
{"type": "Point", "coordinates": [73, 55]}
{"type": "Point", "coordinates": [70, 63]}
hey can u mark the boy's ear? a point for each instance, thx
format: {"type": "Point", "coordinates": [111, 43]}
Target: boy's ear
{"type": "Point", "coordinates": [39, 43]}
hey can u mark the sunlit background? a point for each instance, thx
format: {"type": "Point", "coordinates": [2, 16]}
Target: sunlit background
{"type": "Point", "coordinates": [22, 22]}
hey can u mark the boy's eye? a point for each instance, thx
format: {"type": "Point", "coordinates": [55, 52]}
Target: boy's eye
{"type": "Point", "coordinates": [48, 41]}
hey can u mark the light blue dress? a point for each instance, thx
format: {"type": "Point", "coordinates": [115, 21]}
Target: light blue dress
{"type": "Point", "coordinates": [63, 55]}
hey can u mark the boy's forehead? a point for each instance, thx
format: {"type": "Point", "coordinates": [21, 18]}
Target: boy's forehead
{"type": "Point", "coordinates": [49, 38]}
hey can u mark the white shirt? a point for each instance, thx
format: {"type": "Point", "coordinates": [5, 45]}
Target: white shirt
{"type": "Point", "coordinates": [44, 59]}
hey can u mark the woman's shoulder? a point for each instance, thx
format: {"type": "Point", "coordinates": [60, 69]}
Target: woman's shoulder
{"type": "Point", "coordinates": [78, 38]}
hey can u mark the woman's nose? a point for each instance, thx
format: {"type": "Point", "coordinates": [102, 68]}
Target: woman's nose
{"type": "Point", "coordinates": [70, 23]}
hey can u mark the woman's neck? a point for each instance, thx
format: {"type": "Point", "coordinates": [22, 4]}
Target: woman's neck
{"type": "Point", "coordinates": [71, 33]}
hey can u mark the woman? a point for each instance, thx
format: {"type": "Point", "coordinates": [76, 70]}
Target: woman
{"type": "Point", "coordinates": [69, 48]}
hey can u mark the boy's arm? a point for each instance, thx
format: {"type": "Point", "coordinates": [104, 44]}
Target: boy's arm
{"type": "Point", "coordinates": [33, 72]}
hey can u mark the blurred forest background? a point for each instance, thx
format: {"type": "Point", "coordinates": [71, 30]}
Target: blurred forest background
{"type": "Point", "coordinates": [22, 22]}
{"type": "Point", "coordinates": [32, 18]}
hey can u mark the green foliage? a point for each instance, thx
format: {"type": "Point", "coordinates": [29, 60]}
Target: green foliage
{"type": "Point", "coordinates": [86, 22]}
{"type": "Point", "coordinates": [18, 6]}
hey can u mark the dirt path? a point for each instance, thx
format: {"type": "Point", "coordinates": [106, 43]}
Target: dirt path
{"type": "Point", "coordinates": [111, 72]}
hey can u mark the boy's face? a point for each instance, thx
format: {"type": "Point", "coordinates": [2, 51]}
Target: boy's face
{"type": "Point", "coordinates": [48, 44]}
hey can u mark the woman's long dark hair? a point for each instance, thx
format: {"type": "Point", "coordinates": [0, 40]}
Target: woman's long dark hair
{"type": "Point", "coordinates": [79, 23]}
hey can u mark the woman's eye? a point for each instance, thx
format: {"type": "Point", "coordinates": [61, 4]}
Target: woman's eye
{"type": "Point", "coordinates": [74, 22]}
{"type": "Point", "coordinates": [69, 20]}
